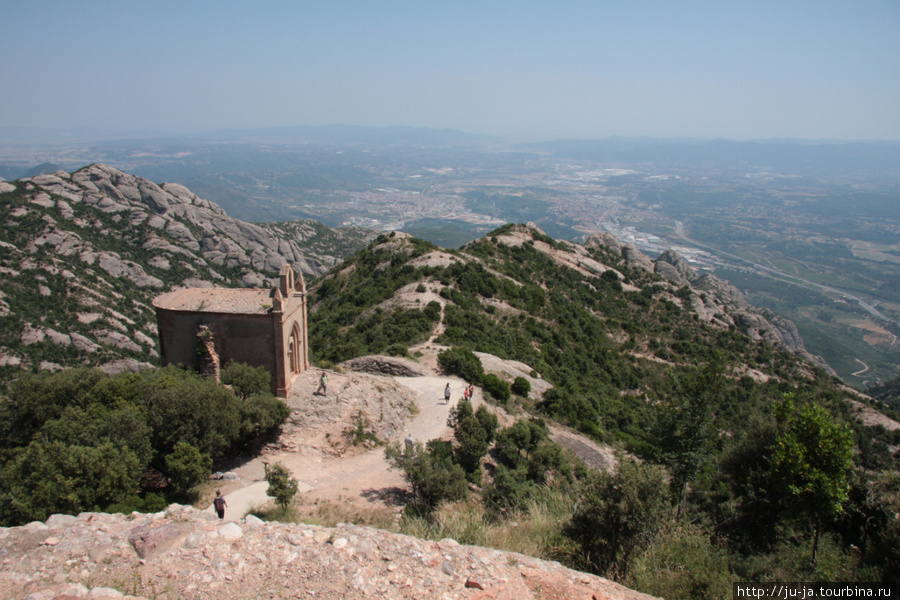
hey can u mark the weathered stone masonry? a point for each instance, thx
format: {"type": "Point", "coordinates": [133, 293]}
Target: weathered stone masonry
{"type": "Point", "coordinates": [260, 327]}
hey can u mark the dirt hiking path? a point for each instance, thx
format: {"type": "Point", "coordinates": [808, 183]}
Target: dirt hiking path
{"type": "Point", "coordinates": [328, 442]}
{"type": "Point", "coordinates": [316, 445]}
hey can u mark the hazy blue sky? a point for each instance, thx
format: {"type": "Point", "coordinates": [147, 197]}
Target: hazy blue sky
{"type": "Point", "coordinates": [725, 68]}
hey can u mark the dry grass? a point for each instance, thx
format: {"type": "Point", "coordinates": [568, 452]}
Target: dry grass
{"type": "Point", "coordinates": [536, 530]}
{"type": "Point", "coordinates": [327, 513]}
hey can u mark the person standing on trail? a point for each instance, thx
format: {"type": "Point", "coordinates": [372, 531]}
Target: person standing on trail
{"type": "Point", "coordinates": [220, 504]}
{"type": "Point", "coordinates": [447, 393]}
{"type": "Point", "coordinates": [323, 385]}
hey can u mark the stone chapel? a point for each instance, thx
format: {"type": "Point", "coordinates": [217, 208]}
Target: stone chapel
{"type": "Point", "coordinates": [206, 328]}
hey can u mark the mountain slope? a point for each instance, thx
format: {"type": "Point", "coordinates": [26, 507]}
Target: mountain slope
{"type": "Point", "coordinates": [83, 254]}
{"type": "Point", "coordinates": [611, 330]}
{"type": "Point", "coordinates": [655, 359]}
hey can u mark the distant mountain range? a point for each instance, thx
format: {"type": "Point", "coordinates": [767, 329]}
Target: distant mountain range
{"type": "Point", "coordinates": [319, 134]}
{"type": "Point", "coordinates": [816, 158]}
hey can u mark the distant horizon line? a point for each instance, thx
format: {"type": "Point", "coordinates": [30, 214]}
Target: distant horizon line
{"type": "Point", "coordinates": [29, 134]}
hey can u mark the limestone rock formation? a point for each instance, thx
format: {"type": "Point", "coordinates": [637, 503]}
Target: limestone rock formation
{"type": "Point", "coordinates": [674, 268]}
{"type": "Point", "coordinates": [635, 257]}
{"type": "Point", "coordinates": [713, 300]}
{"type": "Point", "coordinates": [384, 365]}
{"type": "Point", "coordinates": [102, 242]}
{"type": "Point", "coordinates": [186, 553]}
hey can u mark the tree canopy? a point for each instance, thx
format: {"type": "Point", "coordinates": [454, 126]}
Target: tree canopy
{"type": "Point", "coordinates": [80, 440]}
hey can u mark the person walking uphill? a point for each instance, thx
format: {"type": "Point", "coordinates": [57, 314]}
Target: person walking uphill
{"type": "Point", "coordinates": [220, 504]}
{"type": "Point", "coordinates": [447, 394]}
{"type": "Point", "coordinates": [323, 385]}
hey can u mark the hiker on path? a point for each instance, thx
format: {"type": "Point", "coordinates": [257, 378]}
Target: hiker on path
{"type": "Point", "coordinates": [323, 384]}
{"type": "Point", "coordinates": [447, 394]}
{"type": "Point", "coordinates": [220, 504]}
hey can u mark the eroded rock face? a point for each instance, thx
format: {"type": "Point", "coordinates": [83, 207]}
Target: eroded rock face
{"type": "Point", "coordinates": [674, 268]}
{"type": "Point", "coordinates": [384, 365]}
{"type": "Point", "coordinates": [636, 258]}
{"type": "Point", "coordinates": [713, 300]}
{"type": "Point", "coordinates": [128, 240]}
{"type": "Point", "coordinates": [190, 554]}
{"type": "Point", "coordinates": [180, 213]}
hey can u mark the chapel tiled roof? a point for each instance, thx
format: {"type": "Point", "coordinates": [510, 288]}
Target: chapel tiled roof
{"type": "Point", "coordinates": [243, 301]}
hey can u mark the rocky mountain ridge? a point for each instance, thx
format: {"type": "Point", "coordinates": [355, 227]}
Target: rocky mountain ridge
{"type": "Point", "coordinates": [712, 299]}
{"type": "Point", "coordinates": [184, 553]}
{"type": "Point", "coordinates": [714, 302]}
{"type": "Point", "coordinates": [82, 255]}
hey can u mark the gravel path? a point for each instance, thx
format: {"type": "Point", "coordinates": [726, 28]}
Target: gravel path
{"type": "Point", "coordinates": [357, 476]}
{"type": "Point", "coordinates": [316, 444]}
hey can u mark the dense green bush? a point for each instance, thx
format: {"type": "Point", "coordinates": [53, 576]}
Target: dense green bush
{"type": "Point", "coordinates": [462, 362]}
{"type": "Point", "coordinates": [619, 513]}
{"type": "Point", "coordinates": [521, 387]}
{"type": "Point", "coordinates": [187, 467]}
{"type": "Point", "coordinates": [44, 478]}
{"type": "Point", "coordinates": [495, 386]}
{"type": "Point", "coordinates": [262, 412]}
{"type": "Point", "coordinates": [246, 380]}
{"type": "Point", "coordinates": [474, 431]}
{"type": "Point", "coordinates": [431, 473]}
{"type": "Point", "coordinates": [79, 440]}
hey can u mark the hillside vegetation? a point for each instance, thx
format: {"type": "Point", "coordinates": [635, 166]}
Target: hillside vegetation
{"type": "Point", "coordinates": [755, 464]}
{"type": "Point", "coordinates": [80, 440]}
{"type": "Point", "coordinates": [741, 455]}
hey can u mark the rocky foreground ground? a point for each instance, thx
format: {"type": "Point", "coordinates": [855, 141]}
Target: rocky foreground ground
{"type": "Point", "coordinates": [184, 553]}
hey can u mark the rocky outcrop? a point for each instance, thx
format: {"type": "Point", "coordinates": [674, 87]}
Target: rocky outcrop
{"type": "Point", "coordinates": [103, 242]}
{"type": "Point", "coordinates": [672, 267]}
{"type": "Point", "coordinates": [186, 553]}
{"type": "Point", "coordinates": [636, 258]}
{"type": "Point", "coordinates": [604, 240]}
{"type": "Point", "coordinates": [713, 300]}
{"type": "Point", "coordinates": [384, 365]}
{"type": "Point", "coordinates": [197, 223]}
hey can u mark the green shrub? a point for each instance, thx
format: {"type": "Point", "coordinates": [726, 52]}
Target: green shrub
{"type": "Point", "coordinates": [149, 503]}
{"type": "Point", "coordinates": [260, 413]}
{"type": "Point", "coordinates": [509, 490]}
{"type": "Point", "coordinates": [496, 387]}
{"type": "Point", "coordinates": [396, 350]}
{"type": "Point", "coordinates": [521, 387]}
{"type": "Point", "coordinates": [186, 467]}
{"type": "Point", "coordinates": [79, 440]}
{"type": "Point", "coordinates": [462, 362]}
{"type": "Point", "coordinates": [683, 564]}
{"type": "Point", "coordinates": [430, 472]}
{"type": "Point", "coordinates": [474, 432]}
{"type": "Point", "coordinates": [282, 486]}
{"type": "Point", "coordinates": [46, 478]}
{"type": "Point", "coordinates": [619, 513]}
{"type": "Point", "coordinates": [246, 380]}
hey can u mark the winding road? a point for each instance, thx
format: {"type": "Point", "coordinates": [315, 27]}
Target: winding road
{"type": "Point", "coordinates": [679, 231]}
